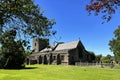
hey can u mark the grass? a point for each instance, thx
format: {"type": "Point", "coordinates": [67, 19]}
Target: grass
{"type": "Point", "coordinates": [54, 72]}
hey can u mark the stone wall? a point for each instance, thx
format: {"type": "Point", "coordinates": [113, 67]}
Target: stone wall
{"type": "Point", "coordinates": [39, 44]}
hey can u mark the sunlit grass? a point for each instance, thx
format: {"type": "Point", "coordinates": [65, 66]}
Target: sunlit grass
{"type": "Point", "coordinates": [54, 72]}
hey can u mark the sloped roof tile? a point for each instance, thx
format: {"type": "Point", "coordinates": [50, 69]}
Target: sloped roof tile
{"type": "Point", "coordinates": [68, 45]}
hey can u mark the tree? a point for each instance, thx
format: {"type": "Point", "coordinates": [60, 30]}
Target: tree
{"type": "Point", "coordinates": [12, 51]}
{"type": "Point", "coordinates": [25, 17]}
{"type": "Point", "coordinates": [106, 59]}
{"type": "Point", "coordinates": [98, 58]}
{"type": "Point", "coordinates": [115, 45]}
{"type": "Point", "coordinates": [21, 20]}
{"type": "Point", "coordinates": [106, 7]}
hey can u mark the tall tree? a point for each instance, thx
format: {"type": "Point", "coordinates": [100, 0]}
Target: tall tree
{"type": "Point", "coordinates": [106, 7]}
{"type": "Point", "coordinates": [12, 53]}
{"type": "Point", "coordinates": [115, 44]}
{"type": "Point", "coordinates": [20, 20]}
{"type": "Point", "coordinates": [25, 17]}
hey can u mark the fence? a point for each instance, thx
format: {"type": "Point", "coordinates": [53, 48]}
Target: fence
{"type": "Point", "coordinates": [102, 65]}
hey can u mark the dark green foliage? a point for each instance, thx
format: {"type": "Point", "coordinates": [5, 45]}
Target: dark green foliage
{"type": "Point", "coordinates": [106, 59]}
{"type": "Point", "coordinates": [20, 20]}
{"type": "Point", "coordinates": [117, 58]}
{"type": "Point", "coordinates": [25, 17]}
{"type": "Point", "coordinates": [44, 41]}
{"type": "Point", "coordinates": [12, 52]}
{"type": "Point", "coordinates": [98, 58]}
{"type": "Point", "coordinates": [115, 45]}
{"type": "Point", "coordinates": [27, 52]}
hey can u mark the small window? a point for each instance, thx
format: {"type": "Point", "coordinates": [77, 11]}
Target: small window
{"type": "Point", "coordinates": [62, 57]}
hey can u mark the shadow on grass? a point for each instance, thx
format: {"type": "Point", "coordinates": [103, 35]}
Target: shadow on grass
{"type": "Point", "coordinates": [30, 67]}
{"type": "Point", "coordinates": [25, 68]}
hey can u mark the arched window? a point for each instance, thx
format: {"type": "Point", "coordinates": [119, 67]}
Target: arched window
{"type": "Point", "coordinates": [35, 44]}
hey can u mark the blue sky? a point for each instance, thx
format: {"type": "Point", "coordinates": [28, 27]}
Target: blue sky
{"type": "Point", "coordinates": [73, 23]}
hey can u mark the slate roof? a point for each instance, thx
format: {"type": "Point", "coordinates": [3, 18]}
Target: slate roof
{"type": "Point", "coordinates": [46, 50]}
{"type": "Point", "coordinates": [68, 45]}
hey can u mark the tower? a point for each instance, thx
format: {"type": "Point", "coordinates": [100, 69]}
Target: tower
{"type": "Point", "coordinates": [39, 44]}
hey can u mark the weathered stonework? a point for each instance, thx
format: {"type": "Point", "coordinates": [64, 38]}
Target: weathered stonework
{"type": "Point", "coordinates": [63, 53]}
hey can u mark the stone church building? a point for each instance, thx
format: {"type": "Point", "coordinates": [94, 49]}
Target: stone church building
{"type": "Point", "coordinates": [62, 53]}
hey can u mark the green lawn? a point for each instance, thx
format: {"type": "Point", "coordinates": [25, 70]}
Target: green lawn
{"type": "Point", "coordinates": [54, 72]}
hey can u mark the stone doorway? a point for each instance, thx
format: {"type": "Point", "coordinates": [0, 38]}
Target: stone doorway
{"type": "Point", "coordinates": [40, 60]}
{"type": "Point", "coordinates": [45, 60]}
{"type": "Point", "coordinates": [58, 59]}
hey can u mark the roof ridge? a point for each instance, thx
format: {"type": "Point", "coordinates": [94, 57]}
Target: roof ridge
{"type": "Point", "coordinates": [70, 41]}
